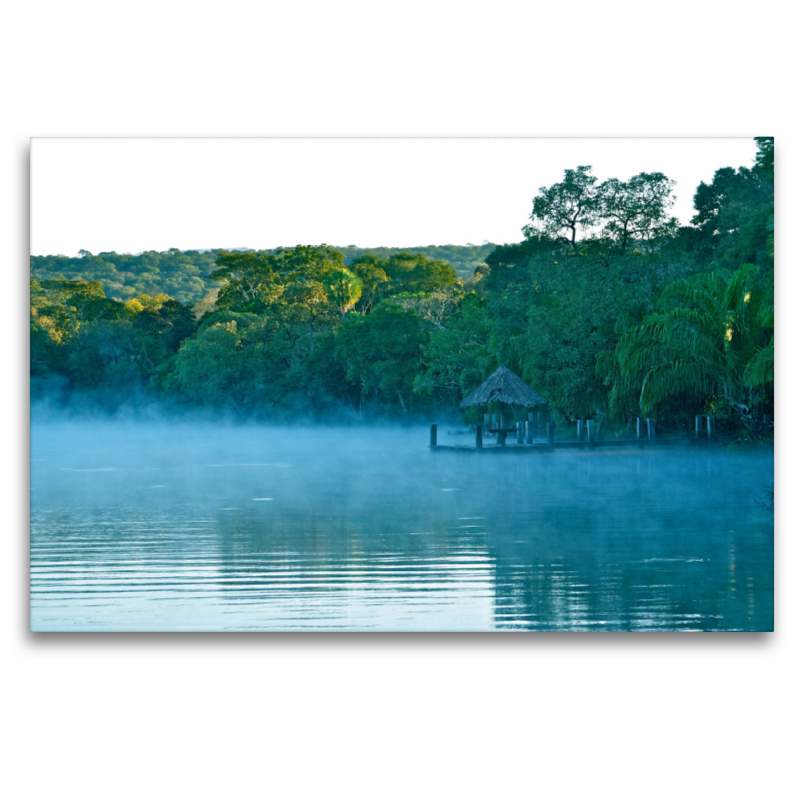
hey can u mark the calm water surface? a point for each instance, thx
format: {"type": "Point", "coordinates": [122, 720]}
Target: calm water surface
{"type": "Point", "coordinates": [149, 527]}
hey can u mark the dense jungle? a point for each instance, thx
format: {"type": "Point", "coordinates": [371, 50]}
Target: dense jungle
{"type": "Point", "coordinates": [607, 306]}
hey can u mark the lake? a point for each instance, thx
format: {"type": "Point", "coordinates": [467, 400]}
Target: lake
{"type": "Point", "coordinates": [180, 527]}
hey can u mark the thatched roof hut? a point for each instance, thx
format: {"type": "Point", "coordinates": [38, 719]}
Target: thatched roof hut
{"type": "Point", "coordinates": [503, 386]}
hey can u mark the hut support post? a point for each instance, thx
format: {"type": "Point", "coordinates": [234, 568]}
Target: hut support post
{"type": "Point", "coordinates": [698, 424]}
{"type": "Point", "coordinates": [590, 432]}
{"type": "Point", "coordinates": [479, 437]}
{"type": "Point", "coordinates": [529, 432]}
{"type": "Point", "coordinates": [433, 435]}
{"type": "Point", "coordinates": [710, 426]}
{"type": "Point", "coordinates": [580, 430]}
{"type": "Point", "coordinates": [520, 433]}
{"type": "Point", "coordinates": [651, 428]}
{"type": "Point", "coordinates": [638, 427]}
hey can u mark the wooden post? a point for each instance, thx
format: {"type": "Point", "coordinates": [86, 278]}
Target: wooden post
{"type": "Point", "coordinates": [651, 428]}
{"type": "Point", "coordinates": [638, 427]}
{"type": "Point", "coordinates": [520, 433]}
{"type": "Point", "coordinates": [529, 432]}
{"type": "Point", "coordinates": [530, 416]}
{"type": "Point", "coordinates": [479, 437]}
{"type": "Point", "coordinates": [487, 421]}
{"type": "Point", "coordinates": [494, 420]}
{"type": "Point", "coordinates": [698, 423]}
{"type": "Point", "coordinates": [710, 426]}
{"type": "Point", "coordinates": [590, 432]}
{"type": "Point", "coordinates": [551, 432]}
{"type": "Point", "coordinates": [580, 430]}
{"type": "Point", "coordinates": [501, 437]}
{"type": "Point", "coordinates": [433, 435]}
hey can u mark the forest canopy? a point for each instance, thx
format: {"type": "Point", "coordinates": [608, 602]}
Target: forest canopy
{"type": "Point", "coordinates": [607, 306]}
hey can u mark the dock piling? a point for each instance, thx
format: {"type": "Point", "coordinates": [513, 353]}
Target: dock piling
{"type": "Point", "coordinates": [433, 435]}
{"type": "Point", "coordinates": [590, 432]}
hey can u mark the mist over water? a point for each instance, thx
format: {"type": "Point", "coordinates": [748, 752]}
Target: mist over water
{"type": "Point", "coordinates": [178, 527]}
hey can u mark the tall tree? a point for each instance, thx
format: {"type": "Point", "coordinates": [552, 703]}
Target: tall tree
{"type": "Point", "coordinates": [698, 347]}
{"type": "Point", "coordinates": [637, 209]}
{"type": "Point", "coordinates": [563, 209]}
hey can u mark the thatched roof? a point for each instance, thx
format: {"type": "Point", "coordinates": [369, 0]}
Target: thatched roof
{"type": "Point", "coordinates": [503, 386]}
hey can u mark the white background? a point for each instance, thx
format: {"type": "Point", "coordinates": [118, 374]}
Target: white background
{"type": "Point", "coordinates": [394, 716]}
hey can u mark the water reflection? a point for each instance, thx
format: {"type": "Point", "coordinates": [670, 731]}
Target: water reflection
{"type": "Point", "coordinates": [156, 528]}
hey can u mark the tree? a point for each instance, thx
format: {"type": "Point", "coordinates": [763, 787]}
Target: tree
{"type": "Point", "coordinates": [344, 289]}
{"type": "Point", "coordinates": [67, 307]}
{"type": "Point", "coordinates": [765, 157]}
{"type": "Point", "coordinates": [415, 274]}
{"type": "Point", "coordinates": [382, 352]}
{"type": "Point", "coordinates": [733, 213]}
{"type": "Point", "coordinates": [250, 281]}
{"type": "Point", "coordinates": [700, 346]}
{"type": "Point", "coordinates": [636, 210]}
{"type": "Point", "coordinates": [563, 209]}
{"type": "Point", "coordinates": [457, 357]}
{"type": "Point", "coordinates": [374, 281]}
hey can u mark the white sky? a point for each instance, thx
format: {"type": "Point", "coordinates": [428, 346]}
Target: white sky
{"type": "Point", "coordinates": [131, 195]}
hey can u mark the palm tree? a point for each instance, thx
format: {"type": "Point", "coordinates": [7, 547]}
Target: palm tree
{"type": "Point", "coordinates": [709, 341]}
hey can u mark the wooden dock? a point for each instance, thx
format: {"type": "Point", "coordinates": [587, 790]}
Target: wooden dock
{"type": "Point", "coordinates": [526, 443]}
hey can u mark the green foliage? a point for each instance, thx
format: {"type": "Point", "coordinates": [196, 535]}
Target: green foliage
{"type": "Point", "coordinates": [464, 259]}
{"type": "Point", "coordinates": [765, 157]}
{"type": "Point", "coordinates": [706, 344]}
{"type": "Point", "coordinates": [82, 341]}
{"type": "Point", "coordinates": [732, 219]}
{"type": "Point", "coordinates": [557, 312]}
{"type": "Point", "coordinates": [633, 211]}
{"type": "Point", "coordinates": [185, 275]}
{"type": "Point", "coordinates": [180, 274]}
{"type": "Point", "coordinates": [382, 354]}
{"type": "Point", "coordinates": [457, 357]}
{"type": "Point", "coordinates": [344, 289]}
{"type": "Point", "coordinates": [375, 282]}
{"type": "Point", "coordinates": [563, 209]}
{"type": "Point", "coordinates": [607, 308]}
{"type": "Point", "coordinates": [636, 210]}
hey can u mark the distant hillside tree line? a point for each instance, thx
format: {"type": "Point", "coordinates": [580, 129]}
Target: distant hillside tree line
{"type": "Point", "coordinates": [185, 274]}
